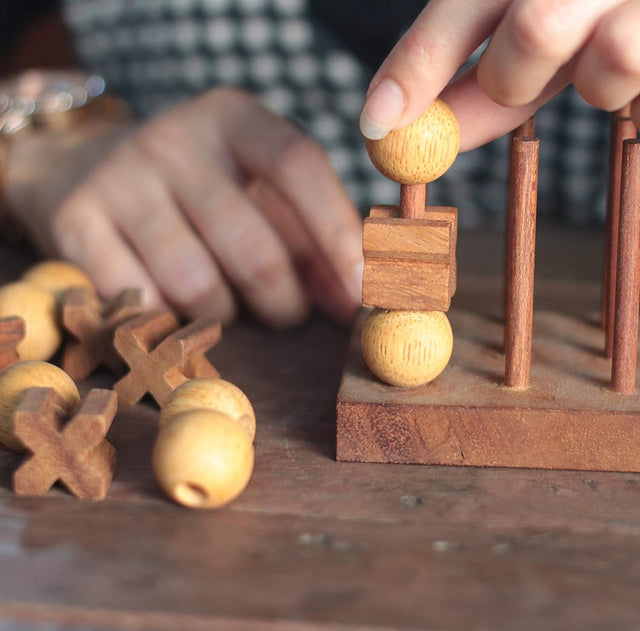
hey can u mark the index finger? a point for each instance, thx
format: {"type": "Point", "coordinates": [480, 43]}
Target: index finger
{"type": "Point", "coordinates": [424, 60]}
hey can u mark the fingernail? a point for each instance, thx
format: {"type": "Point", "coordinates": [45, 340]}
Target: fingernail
{"type": "Point", "coordinates": [382, 109]}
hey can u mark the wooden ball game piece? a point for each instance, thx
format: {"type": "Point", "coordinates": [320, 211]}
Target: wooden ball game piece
{"type": "Point", "coordinates": [17, 379]}
{"type": "Point", "coordinates": [421, 152]}
{"type": "Point", "coordinates": [212, 394]}
{"type": "Point", "coordinates": [57, 276]}
{"type": "Point", "coordinates": [38, 308]}
{"type": "Point", "coordinates": [203, 458]}
{"type": "Point", "coordinates": [407, 348]}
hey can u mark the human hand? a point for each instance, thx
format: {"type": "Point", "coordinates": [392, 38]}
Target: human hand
{"type": "Point", "coordinates": [537, 48]}
{"type": "Point", "coordinates": [211, 203]}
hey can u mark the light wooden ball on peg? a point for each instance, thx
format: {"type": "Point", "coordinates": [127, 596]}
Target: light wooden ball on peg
{"type": "Point", "coordinates": [406, 348]}
{"type": "Point", "coordinates": [203, 458]}
{"type": "Point", "coordinates": [211, 394]}
{"type": "Point", "coordinates": [38, 308]}
{"type": "Point", "coordinates": [421, 152]}
{"type": "Point", "coordinates": [57, 276]}
{"type": "Point", "coordinates": [17, 379]}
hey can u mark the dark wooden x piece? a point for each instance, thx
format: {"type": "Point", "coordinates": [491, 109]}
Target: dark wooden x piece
{"type": "Point", "coordinates": [93, 326]}
{"type": "Point", "coordinates": [74, 452]}
{"type": "Point", "coordinates": [161, 355]}
{"type": "Point", "coordinates": [12, 331]}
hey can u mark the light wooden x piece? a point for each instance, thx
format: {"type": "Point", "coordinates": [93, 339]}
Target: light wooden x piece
{"type": "Point", "coordinates": [93, 326]}
{"type": "Point", "coordinates": [75, 452]}
{"type": "Point", "coordinates": [161, 356]}
{"type": "Point", "coordinates": [12, 330]}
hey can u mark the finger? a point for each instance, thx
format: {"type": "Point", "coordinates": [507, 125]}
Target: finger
{"type": "Point", "coordinates": [635, 111]}
{"type": "Point", "coordinates": [613, 56]}
{"type": "Point", "coordinates": [481, 119]}
{"type": "Point", "coordinates": [299, 170]}
{"type": "Point", "coordinates": [252, 255]}
{"type": "Point", "coordinates": [86, 236]}
{"type": "Point", "coordinates": [533, 41]}
{"type": "Point", "coordinates": [330, 297]}
{"type": "Point", "coordinates": [141, 206]}
{"type": "Point", "coordinates": [443, 36]}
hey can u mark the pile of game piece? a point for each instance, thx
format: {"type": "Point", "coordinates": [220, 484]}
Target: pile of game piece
{"type": "Point", "coordinates": [53, 311]}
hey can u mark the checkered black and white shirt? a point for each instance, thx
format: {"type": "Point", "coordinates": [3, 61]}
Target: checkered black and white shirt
{"type": "Point", "coordinates": [304, 60]}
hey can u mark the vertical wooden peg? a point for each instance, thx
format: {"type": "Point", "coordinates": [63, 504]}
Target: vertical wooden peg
{"type": "Point", "coordinates": [625, 338]}
{"type": "Point", "coordinates": [526, 130]}
{"type": "Point", "coordinates": [413, 201]}
{"type": "Point", "coordinates": [622, 128]}
{"type": "Point", "coordinates": [521, 255]}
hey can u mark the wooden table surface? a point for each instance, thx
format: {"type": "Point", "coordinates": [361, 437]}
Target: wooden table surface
{"type": "Point", "coordinates": [316, 544]}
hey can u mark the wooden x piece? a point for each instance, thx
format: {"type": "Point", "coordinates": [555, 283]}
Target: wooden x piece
{"type": "Point", "coordinates": [12, 332]}
{"type": "Point", "coordinates": [76, 452]}
{"type": "Point", "coordinates": [93, 326]}
{"type": "Point", "coordinates": [161, 356]}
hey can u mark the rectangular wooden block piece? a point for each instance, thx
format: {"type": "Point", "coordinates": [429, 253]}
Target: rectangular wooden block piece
{"type": "Point", "coordinates": [409, 263]}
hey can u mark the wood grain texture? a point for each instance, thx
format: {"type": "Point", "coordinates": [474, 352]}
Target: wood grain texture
{"type": "Point", "coordinates": [161, 355]}
{"type": "Point", "coordinates": [436, 213]}
{"type": "Point", "coordinates": [625, 338]}
{"type": "Point", "coordinates": [420, 152]}
{"type": "Point", "coordinates": [413, 200]}
{"type": "Point", "coordinates": [409, 264]}
{"type": "Point", "coordinates": [521, 243]}
{"type": "Point", "coordinates": [621, 130]}
{"type": "Point", "coordinates": [390, 283]}
{"type": "Point", "coordinates": [526, 130]}
{"type": "Point", "coordinates": [92, 326]}
{"type": "Point", "coordinates": [566, 419]}
{"type": "Point", "coordinates": [406, 348]}
{"type": "Point", "coordinates": [65, 445]}
{"type": "Point", "coordinates": [12, 330]}
{"type": "Point", "coordinates": [406, 238]}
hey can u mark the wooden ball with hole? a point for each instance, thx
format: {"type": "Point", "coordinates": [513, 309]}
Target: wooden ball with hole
{"type": "Point", "coordinates": [421, 152]}
{"type": "Point", "coordinates": [17, 379]}
{"type": "Point", "coordinates": [203, 458]}
{"type": "Point", "coordinates": [406, 348]}
{"type": "Point", "coordinates": [39, 310]}
{"type": "Point", "coordinates": [212, 394]}
{"type": "Point", "coordinates": [57, 276]}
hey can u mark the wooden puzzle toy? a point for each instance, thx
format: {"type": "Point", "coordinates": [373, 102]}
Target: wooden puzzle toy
{"type": "Point", "coordinates": [203, 456]}
{"type": "Point", "coordinates": [537, 390]}
{"type": "Point", "coordinates": [37, 307]}
{"type": "Point", "coordinates": [212, 394]}
{"type": "Point", "coordinates": [65, 444]}
{"type": "Point", "coordinates": [57, 276]}
{"type": "Point", "coordinates": [92, 325]}
{"type": "Point", "coordinates": [17, 379]}
{"type": "Point", "coordinates": [161, 355]}
{"type": "Point", "coordinates": [11, 334]}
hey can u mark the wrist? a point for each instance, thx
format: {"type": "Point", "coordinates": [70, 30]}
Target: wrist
{"type": "Point", "coordinates": [45, 117]}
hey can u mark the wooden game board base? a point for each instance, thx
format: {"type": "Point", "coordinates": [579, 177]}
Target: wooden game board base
{"type": "Point", "coordinates": [567, 419]}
